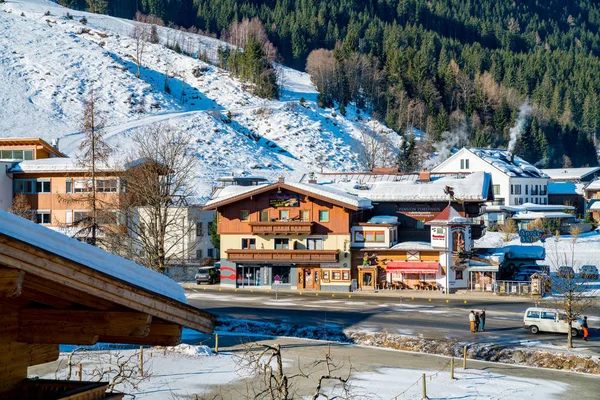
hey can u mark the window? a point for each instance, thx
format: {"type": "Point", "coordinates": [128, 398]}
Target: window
{"type": "Point", "coordinates": [17, 154]}
{"type": "Point", "coordinates": [199, 254]}
{"type": "Point", "coordinates": [282, 243]}
{"type": "Point", "coordinates": [536, 200]}
{"type": "Point", "coordinates": [496, 189]}
{"type": "Point", "coordinates": [211, 253]}
{"type": "Point", "coordinates": [199, 229]}
{"type": "Point", "coordinates": [544, 190]}
{"type": "Point", "coordinates": [42, 217]}
{"type": "Point", "coordinates": [323, 215]}
{"type": "Point", "coordinates": [336, 275]}
{"type": "Point", "coordinates": [314, 244]}
{"type": "Point", "coordinates": [248, 243]}
{"type": "Point", "coordinates": [284, 215]}
{"type": "Point", "coordinates": [81, 216]}
{"type": "Point", "coordinates": [548, 315]}
{"type": "Point", "coordinates": [26, 186]}
{"type": "Point", "coordinates": [466, 164]}
{"type": "Point", "coordinates": [512, 189]}
{"type": "Point", "coordinates": [420, 224]}
{"type": "Point", "coordinates": [82, 186]}
{"type": "Point", "coordinates": [517, 189]}
{"type": "Point", "coordinates": [533, 314]}
{"type": "Point", "coordinates": [359, 236]}
{"type": "Point", "coordinates": [42, 186]}
{"type": "Point", "coordinates": [264, 216]}
{"type": "Point", "coordinates": [458, 275]}
{"type": "Point", "coordinates": [526, 189]}
{"type": "Point", "coordinates": [462, 164]}
{"type": "Point", "coordinates": [107, 217]}
{"type": "Point", "coordinates": [375, 236]}
{"type": "Point", "coordinates": [69, 186]}
{"type": "Point", "coordinates": [245, 215]}
{"type": "Point", "coordinates": [283, 273]}
{"type": "Point", "coordinates": [305, 216]}
{"type": "Point", "coordinates": [346, 275]}
{"type": "Point", "coordinates": [326, 275]}
{"type": "Point", "coordinates": [106, 186]}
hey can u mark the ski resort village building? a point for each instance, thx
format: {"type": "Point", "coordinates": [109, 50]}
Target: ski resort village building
{"type": "Point", "coordinates": [341, 232]}
{"type": "Point", "coordinates": [56, 290]}
{"type": "Point", "coordinates": [515, 181]}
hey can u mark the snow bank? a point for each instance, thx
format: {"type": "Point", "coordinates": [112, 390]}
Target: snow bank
{"type": "Point", "coordinates": [191, 350]}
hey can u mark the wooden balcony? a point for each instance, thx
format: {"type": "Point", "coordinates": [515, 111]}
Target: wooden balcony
{"type": "Point", "coordinates": [282, 256]}
{"type": "Point", "coordinates": [281, 228]}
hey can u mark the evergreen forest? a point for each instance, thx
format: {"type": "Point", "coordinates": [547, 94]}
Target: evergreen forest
{"type": "Point", "coordinates": [461, 66]}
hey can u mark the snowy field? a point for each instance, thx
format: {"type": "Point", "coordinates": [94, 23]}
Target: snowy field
{"type": "Point", "coordinates": [185, 371]}
{"type": "Point", "coordinates": [50, 63]}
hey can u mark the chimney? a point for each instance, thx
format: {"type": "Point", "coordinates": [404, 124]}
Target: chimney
{"type": "Point", "coordinates": [425, 176]}
{"type": "Point", "coordinates": [312, 179]}
{"type": "Point", "coordinates": [512, 158]}
{"type": "Point", "coordinates": [54, 143]}
{"type": "Point", "coordinates": [281, 180]}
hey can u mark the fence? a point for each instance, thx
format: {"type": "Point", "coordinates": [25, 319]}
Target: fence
{"type": "Point", "coordinates": [503, 287]}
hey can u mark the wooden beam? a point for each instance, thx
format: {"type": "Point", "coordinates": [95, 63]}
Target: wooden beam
{"type": "Point", "coordinates": [160, 335]}
{"type": "Point", "coordinates": [42, 353]}
{"type": "Point", "coordinates": [54, 326]}
{"type": "Point", "coordinates": [67, 273]}
{"type": "Point", "coordinates": [46, 299]}
{"type": "Point", "coordinates": [11, 282]}
{"type": "Point", "coordinates": [47, 287]}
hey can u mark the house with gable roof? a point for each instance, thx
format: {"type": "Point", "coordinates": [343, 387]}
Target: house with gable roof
{"type": "Point", "coordinates": [515, 181]}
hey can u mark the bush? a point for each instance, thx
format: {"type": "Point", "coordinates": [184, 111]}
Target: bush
{"type": "Point", "coordinates": [47, 13]}
{"type": "Point", "coordinates": [83, 20]}
{"type": "Point", "coordinates": [302, 100]}
{"type": "Point", "coordinates": [68, 15]}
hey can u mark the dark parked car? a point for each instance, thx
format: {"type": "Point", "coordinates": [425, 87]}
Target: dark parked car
{"type": "Point", "coordinates": [588, 272]}
{"type": "Point", "coordinates": [565, 272]}
{"type": "Point", "coordinates": [210, 275]}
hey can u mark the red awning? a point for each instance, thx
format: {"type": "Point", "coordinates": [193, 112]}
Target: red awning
{"type": "Point", "coordinates": [413, 267]}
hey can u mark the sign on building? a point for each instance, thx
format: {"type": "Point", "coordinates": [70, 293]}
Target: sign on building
{"type": "Point", "coordinates": [284, 200]}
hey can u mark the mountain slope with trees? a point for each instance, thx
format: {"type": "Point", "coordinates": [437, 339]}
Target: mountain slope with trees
{"type": "Point", "coordinates": [459, 65]}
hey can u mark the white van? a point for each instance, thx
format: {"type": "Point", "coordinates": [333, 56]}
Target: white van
{"type": "Point", "coordinates": [549, 320]}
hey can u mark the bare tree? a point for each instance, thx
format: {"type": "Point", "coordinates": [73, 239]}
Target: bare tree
{"type": "Point", "coordinates": [159, 185]}
{"type": "Point", "coordinates": [22, 207]}
{"type": "Point", "coordinates": [571, 291]}
{"type": "Point", "coordinates": [377, 150]}
{"type": "Point", "coordinates": [140, 34]}
{"type": "Point", "coordinates": [92, 158]}
{"type": "Point", "coordinates": [239, 33]}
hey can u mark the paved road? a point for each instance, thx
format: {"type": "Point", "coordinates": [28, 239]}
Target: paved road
{"type": "Point", "coordinates": [429, 317]}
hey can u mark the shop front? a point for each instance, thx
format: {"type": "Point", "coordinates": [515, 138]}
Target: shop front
{"type": "Point", "coordinates": [419, 275]}
{"type": "Point", "coordinates": [265, 276]}
{"type": "Point", "coordinates": [482, 278]}
{"type": "Point", "coordinates": [309, 277]}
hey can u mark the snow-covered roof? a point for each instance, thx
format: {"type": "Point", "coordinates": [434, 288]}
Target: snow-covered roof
{"type": "Point", "coordinates": [383, 219]}
{"type": "Point", "coordinates": [511, 252]}
{"type": "Point", "coordinates": [90, 256]}
{"type": "Point", "coordinates": [593, 185]}
{"type": "Point", "coordinates": [56, 164]}
{"type": "Point", "coordinates": [413, 246]}
{"type": "Point", "coordinates": [595, 206]}
{"type": "Point", "coordinates": [328, 192]}
{"type": "Point", "coordinates": [448, 215]}
{"type": "Point", "coordinates": [570, 174]}
{"type": "Point", "coordinates": [529, 207]}
{"type": "Point", "coordinates": [471, 187]}
{"type": "Point", "coordinates": [536, 215]}
{"type": "Point", "coordinates": [565, 188]}
{"type": "Point", "coordinates": [509, 164]}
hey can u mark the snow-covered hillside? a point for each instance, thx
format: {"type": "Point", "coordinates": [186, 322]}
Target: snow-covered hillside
{"type": "Point", "coordinates": [48, 64]}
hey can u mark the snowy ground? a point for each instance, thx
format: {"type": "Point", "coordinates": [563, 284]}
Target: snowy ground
{"type": "Point", "coordinates": [49, 63]}
{"type": "Point", "coordinates": [585, 250]}
{"type": "Point", "coordinates": [185, 371]}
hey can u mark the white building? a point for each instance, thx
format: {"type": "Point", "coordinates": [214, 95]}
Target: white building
{"type": "Point", "coordinates": [515, 181]}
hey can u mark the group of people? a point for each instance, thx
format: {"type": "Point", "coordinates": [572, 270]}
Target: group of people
{"type": "Point", "coordinates": [477, 321]}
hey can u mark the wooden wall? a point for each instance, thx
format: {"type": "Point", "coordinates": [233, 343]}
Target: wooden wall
{"type": "Point", "coordinates": [230, 223]}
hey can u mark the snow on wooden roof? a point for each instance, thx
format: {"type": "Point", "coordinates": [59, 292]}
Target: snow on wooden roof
{"type": "Point", "coordinates": [570, 174]}
{"type": "Point", "coordinates": [90, 256]}
{"type": "Point", "coordinates": [508, 163]}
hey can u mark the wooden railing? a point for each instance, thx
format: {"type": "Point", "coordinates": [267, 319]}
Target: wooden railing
{"type": "Point", "coordinates": [281, 227]}
{"type": "Point", "coordinates": [292, 256]}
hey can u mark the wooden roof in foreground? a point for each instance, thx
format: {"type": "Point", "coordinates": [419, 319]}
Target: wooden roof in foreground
{"type": "Point", "coordinates": [61, 301]}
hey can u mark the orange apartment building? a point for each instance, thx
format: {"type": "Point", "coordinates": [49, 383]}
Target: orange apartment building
{"type": "Point", "coordinates": [55, 186]}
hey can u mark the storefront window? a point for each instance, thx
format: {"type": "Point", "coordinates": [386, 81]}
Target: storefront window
{"type": "Point", "coordinates": [283, 273]}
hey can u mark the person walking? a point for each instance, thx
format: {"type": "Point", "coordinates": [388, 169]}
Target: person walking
{"type": "Point", "coordinates": [584, 326]}
{"type": "Point", "coordinates": [477, 320]}
{"type": "Point", "coordinates": [472, 320]}
{"type": "Point", "coordinates": [482, 321]}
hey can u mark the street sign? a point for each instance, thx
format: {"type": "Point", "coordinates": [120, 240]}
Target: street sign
{"type": "Point", "coordinates": [277, 279]}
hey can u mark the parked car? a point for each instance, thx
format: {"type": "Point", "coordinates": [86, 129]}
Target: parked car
{"type": "Point", "coordinates": [588, 272]}
{"type": "Point", "coordinates": [565, 272]}
{"type": "Point", "coordinates": [549, 320]}
{"type": "Point", "coordinates": [210, 275]}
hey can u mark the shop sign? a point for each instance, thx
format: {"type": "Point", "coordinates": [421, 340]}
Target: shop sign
{"type": "Point", "coordinates": [438, 236]}
{"type": "Point", "coordinates": [533, 236]}
{"type": "Point", "coordinates": [330, 265]}
{"type": "Point", "coordinates": [284, 200]}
